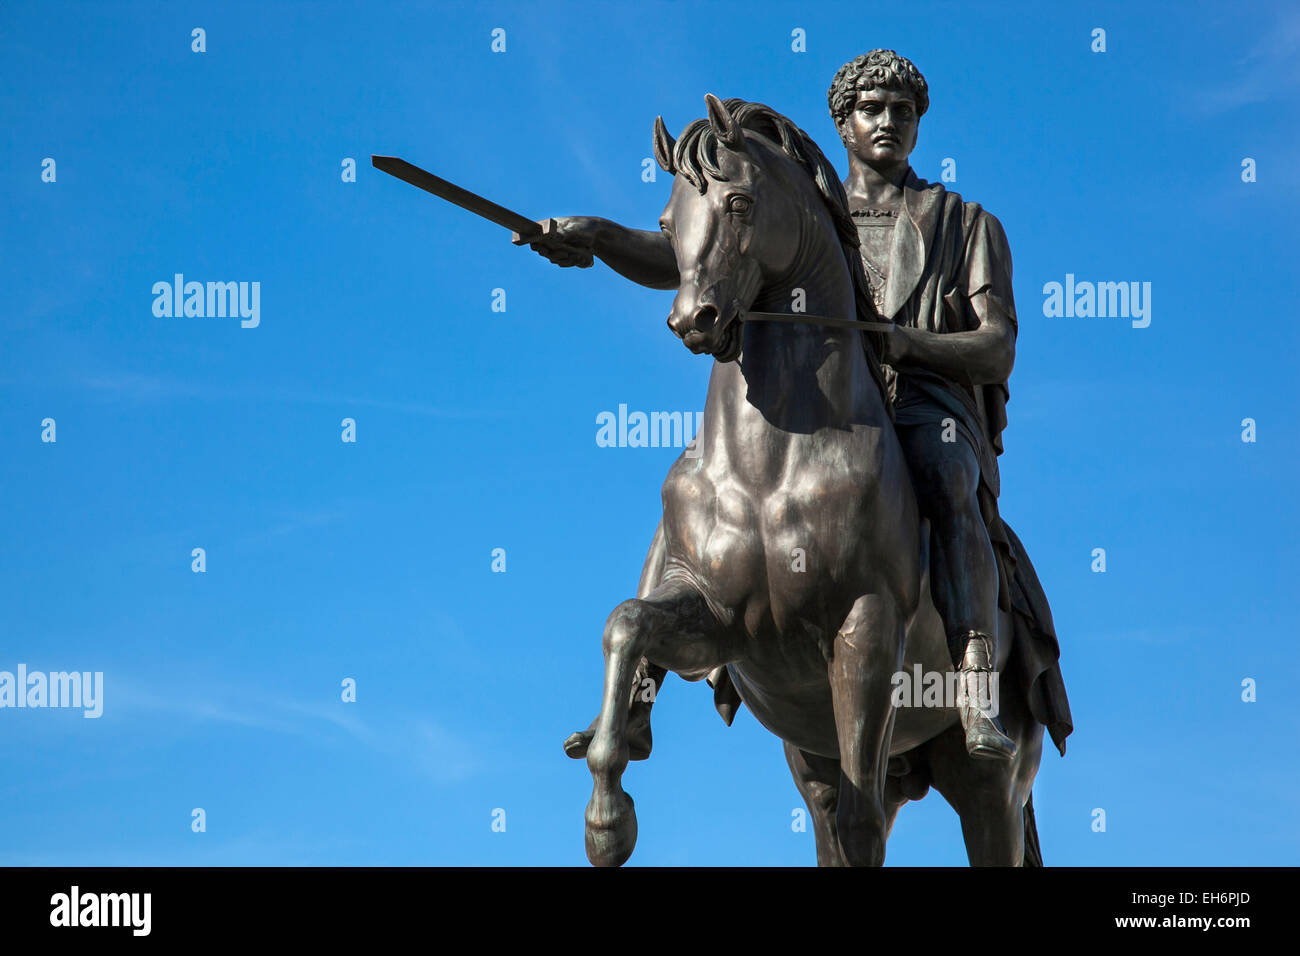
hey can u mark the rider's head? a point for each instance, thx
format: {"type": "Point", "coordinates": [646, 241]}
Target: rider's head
{"type": "Point", "coordinates": [877, 101]}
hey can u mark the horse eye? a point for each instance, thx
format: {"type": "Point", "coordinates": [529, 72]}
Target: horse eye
{"type": "Point", "coordinates": [739, 204]}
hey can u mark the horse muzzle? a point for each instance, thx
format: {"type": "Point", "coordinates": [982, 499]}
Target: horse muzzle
{"type": "Point", "coordinates": [707, 332]}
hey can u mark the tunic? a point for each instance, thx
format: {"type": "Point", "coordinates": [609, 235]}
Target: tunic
{"type": "Point", "coordinates": [942, 252]}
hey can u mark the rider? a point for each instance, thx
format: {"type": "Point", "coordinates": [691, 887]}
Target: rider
{"type": "Point", "coordinates": [940, 269]}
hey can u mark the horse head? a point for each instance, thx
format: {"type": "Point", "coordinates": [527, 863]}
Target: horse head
{"type": "Point", "coordinates": [735, 238]}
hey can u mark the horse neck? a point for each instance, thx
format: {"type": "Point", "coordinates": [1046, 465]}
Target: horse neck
{"type": "Point", "coordinates": [781, 364]}
{"type": "Point", "coordinates": [818, 269]}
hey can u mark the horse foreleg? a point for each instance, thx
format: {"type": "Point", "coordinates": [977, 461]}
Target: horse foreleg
{"type": "Point", "coordinates": [673, 619]}
{"type": "Point", "coordinates": [646, 683]}
{"type": "Point", "coordinates": [649, 677]}
{"type": "Point", "coordinates": [868, 652]}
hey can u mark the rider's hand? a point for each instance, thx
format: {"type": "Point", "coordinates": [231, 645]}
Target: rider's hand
{"type": "Point", "coordinates": [895, 346]}
{"type": "Point", "coordinates": [567, 241]}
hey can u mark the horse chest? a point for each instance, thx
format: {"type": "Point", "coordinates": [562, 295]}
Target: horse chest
{"type": "Point", "coordinates": [766, 543]}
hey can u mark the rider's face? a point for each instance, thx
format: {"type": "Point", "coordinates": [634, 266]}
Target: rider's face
{"type": "Point", "coordinates": [881, 130]}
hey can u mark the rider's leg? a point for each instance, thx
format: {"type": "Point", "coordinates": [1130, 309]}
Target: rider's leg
{"type": "Point", "coordinates": [963, 571]}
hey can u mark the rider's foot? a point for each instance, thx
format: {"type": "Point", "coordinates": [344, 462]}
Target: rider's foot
{"type": "Point", "coordinates": [985, 737]}
{"type": "Point", "coordinates": [639, 738]}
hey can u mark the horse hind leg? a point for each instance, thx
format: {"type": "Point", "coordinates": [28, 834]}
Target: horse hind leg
{"type": "Point", "coordinates": [992, 798]}
{"type": "Point", "coordinates": [817, 779]}
{"type": "Point", "coordinates": [672, 623]}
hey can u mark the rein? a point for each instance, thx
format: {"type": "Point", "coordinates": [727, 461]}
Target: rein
{"type": "Point", "coordinates": [796, 318]}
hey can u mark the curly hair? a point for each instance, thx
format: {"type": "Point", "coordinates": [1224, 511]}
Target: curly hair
{"type": "Point", "coordinates": [882, 69]}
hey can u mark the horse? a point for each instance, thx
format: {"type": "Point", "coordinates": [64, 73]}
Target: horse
{"type": "Point", "coordinates": [796, 456]}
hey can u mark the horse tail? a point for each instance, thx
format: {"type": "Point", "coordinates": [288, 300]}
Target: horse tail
{"type": "Point", "coordinates": [1033, 853]}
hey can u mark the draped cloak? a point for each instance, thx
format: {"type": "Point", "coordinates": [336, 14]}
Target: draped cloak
{"type": "Point", "coordinates": [945, 252]}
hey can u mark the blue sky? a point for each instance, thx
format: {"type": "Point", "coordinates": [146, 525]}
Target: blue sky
{"type": "Point", "coordinates": [476, 429]}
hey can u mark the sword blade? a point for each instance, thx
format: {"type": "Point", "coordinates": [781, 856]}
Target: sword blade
{"type": "Point", "coordinates": [472, 202]}
{"type": "Point", "coordinates": [800, 317]}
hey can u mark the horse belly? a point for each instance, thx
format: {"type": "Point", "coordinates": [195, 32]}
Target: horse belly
{"type": "Point", "coordinates": [802, 714]}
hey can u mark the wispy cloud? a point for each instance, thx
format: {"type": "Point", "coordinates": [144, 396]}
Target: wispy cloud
{"type": "Point", "coordinates": [1270, 68]}
{"type": "Point", "coordinates": [292, 525]}
{"type": "Point", "coordinates": [151, 388]}
{"type": "Point", "coordinates": [258, 848]}
{"type": "Point", "coordinates": [417, 741]}
{"type": "Point", "coordinates": [1142, 636]}
{"type": "Point", "coordinates": [430, 748]}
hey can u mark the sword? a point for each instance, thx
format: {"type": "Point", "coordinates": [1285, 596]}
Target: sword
{"type": "Point", "coordinates": [525, 229]}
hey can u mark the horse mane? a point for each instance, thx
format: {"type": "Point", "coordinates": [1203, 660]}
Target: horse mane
{"type": "Point", "coordinates": [695, 158]}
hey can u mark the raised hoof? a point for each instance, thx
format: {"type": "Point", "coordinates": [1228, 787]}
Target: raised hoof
{"type": "Point", "coordinates": [638, 743]}
{"type": "Point", "coordinates": [611, 836]}
{"type": "Point", "coordinates": [576, 744]}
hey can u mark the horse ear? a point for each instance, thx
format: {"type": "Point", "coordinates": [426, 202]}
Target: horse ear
{"type": "Point", "coordinates": [664, 144]}
{"type": "Point", "coordinates": [724, 124]}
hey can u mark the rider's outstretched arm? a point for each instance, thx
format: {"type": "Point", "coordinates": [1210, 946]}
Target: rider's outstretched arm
{"type": "Point", "coordinates": [646, 257]}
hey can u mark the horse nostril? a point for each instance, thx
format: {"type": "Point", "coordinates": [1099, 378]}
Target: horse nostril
{"type": "Point", "coordinates": [705, 317]}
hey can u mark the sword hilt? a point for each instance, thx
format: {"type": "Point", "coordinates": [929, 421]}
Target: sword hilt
{"type": "Point", "coordinates": [550, 229]}
{"type": "Point", "coordinates": [545, 228]}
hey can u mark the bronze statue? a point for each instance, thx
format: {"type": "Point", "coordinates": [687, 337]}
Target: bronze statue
{"type": "Point", "coordinates": [870, 453]}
